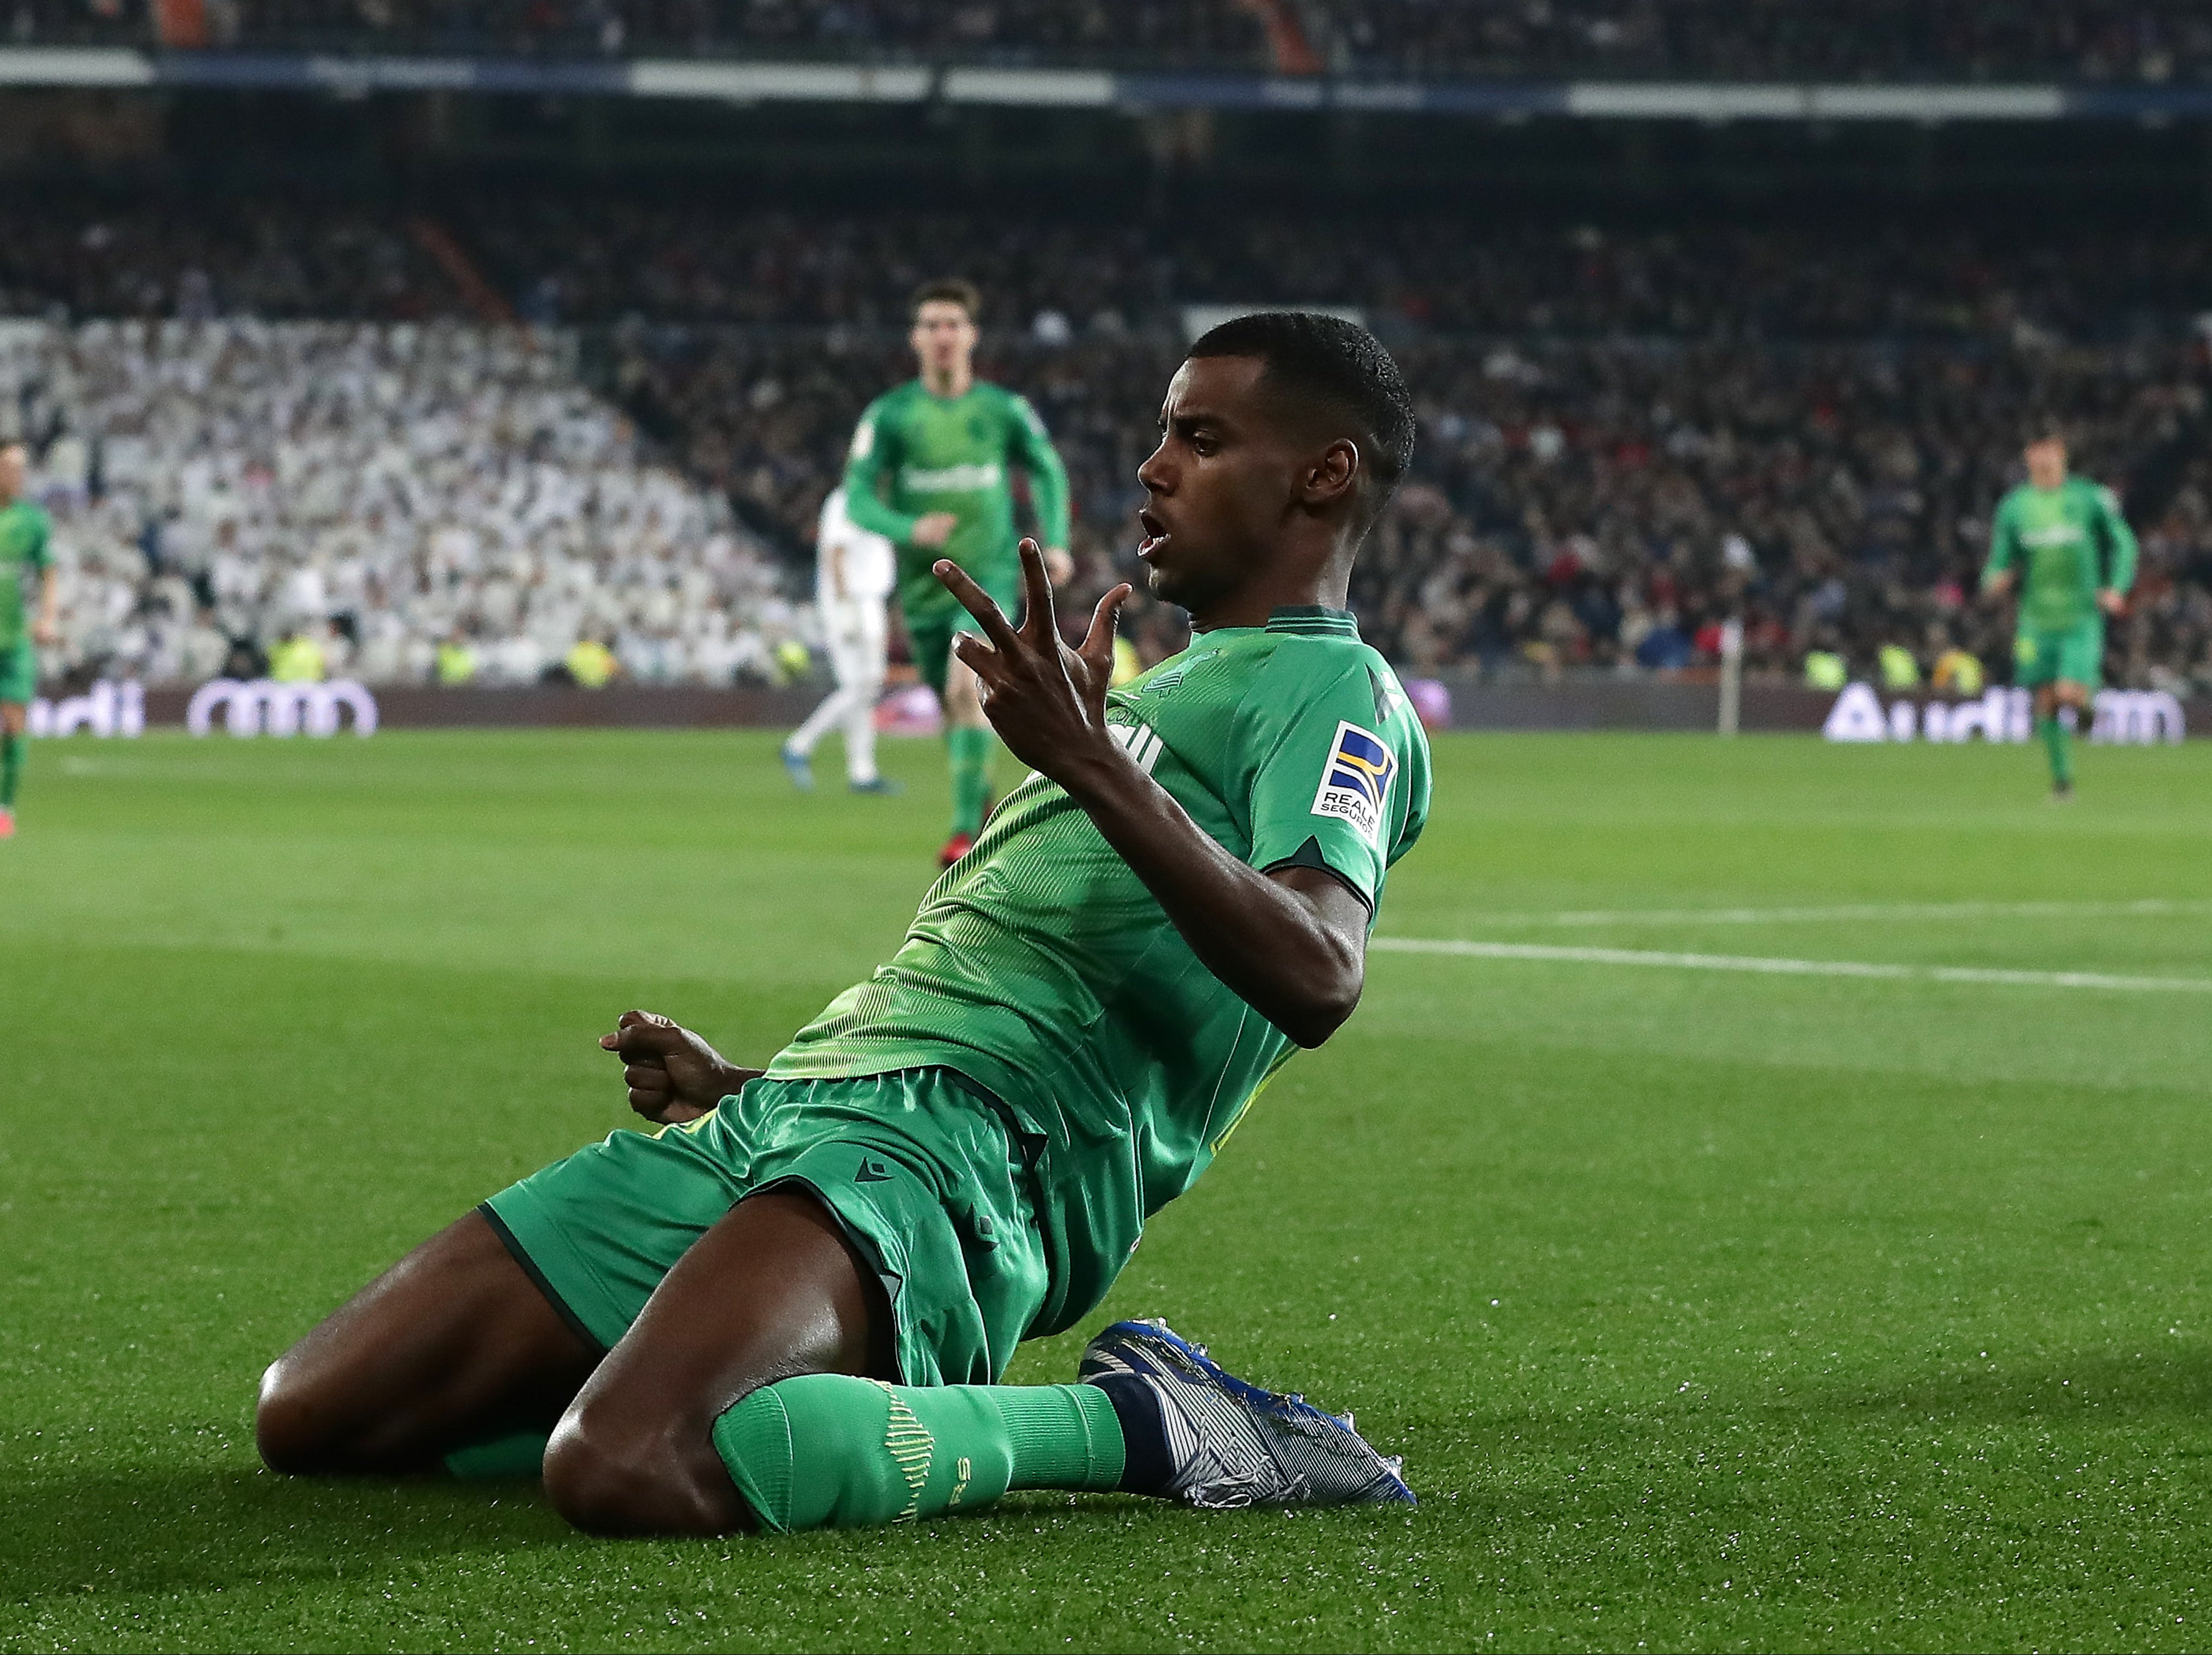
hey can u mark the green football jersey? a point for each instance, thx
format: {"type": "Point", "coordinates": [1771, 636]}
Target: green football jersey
{"type": "Point", "coordinates": [914, 453]}
{"type": "Point", "coordinates": [1041, 968]}
{"type": "Point", "coordinates": [23, 531]}
{"type": "Point", "coordinates": [2072, 541]}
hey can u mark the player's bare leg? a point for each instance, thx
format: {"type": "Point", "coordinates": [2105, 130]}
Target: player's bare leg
{"type": "Point", "coordinates": [453, 1346]}
{"type": "Point", "coordinates": [964, 701]}
{"type": "Point", "coordinates": [772, 1292]}
{"type": "Point", "coordinates": [968, 741]}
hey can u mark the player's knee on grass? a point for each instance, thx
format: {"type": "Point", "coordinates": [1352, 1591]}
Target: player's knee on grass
{"type": "Point", "coordinates": [311, 1420]}
{"type": "Point", "coordinates": [635, 1478]}
{"type": "Point", "coordinates": [308, 1422]}
{"type": "Point", "coordinates": [291, 1424]}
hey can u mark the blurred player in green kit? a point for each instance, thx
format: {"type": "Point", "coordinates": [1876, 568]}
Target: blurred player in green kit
{"type": "Point", "coordinates": [2079, 558]}
{"type": "Point", "coordinates": [23, 534]}
{"type": "Point", "coordinates": [930, 471]}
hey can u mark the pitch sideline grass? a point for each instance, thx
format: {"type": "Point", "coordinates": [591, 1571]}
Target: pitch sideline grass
{"type": "Point", "coordinates": [1713, 1310]}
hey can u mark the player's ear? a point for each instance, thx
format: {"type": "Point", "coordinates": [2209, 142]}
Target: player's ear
{"type": "Point", "coordinates": [1333, 476]}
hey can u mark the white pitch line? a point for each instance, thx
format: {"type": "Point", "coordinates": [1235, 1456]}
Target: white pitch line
{"type": "Point", "coordinates": [1764, 966]}
{"type": "Point", "coordinates": [2149, 908]}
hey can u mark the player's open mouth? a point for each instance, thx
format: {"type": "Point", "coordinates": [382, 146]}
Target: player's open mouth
{"type": "Point", "coordinates": [1154, 534]}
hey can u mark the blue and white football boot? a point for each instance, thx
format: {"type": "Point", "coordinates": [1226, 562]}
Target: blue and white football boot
{"type": "Point", "coordinates": [1230, 1444]}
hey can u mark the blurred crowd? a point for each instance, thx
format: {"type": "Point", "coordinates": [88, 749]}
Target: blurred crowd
{"type": "Point", "coordinates": [387, 503]}
{"type": "Point", "coordinates": [1627, 438]}
{"type": "Point", "coordinates": [196, 258]}
{"type": "Point", "coordinates": [1579, 505]}
{"type": "Point", "coordinates": [1772, 40]}
{"type": "Point", "coordinates": [590, 259]}
{"type": "Point", "coordinates": [2102, 40]}
{"type": "Point", "coordinates": [1156, 33]}
{"type": "Point", "coordinates": [1615, 504]}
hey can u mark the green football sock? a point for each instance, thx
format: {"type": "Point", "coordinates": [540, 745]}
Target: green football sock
{"type": "Point", "coordinates": [522, 1455]}
{"type": "Point", "coordinates": [969, 750]}
{"type": "Point", "coordinates": [828, 1451]}
{"type": "Point", "coordinates": [11, 769]}
{"type": "Point", "coordinates": [2058, 742]}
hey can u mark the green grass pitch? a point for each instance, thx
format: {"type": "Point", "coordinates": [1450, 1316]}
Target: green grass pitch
{"type": "Point", "coordinates": [1709, 1308]}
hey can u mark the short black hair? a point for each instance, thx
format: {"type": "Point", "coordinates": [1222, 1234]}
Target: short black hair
{"type": "Point", "coordinates": [1338, 368]}
{"type": "Point", "coordinates": [947, 290]}
{"type": "Point", "coordinates": [2044, 430]}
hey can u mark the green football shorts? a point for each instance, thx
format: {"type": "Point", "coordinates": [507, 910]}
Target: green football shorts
{"type": "Point", "coordinates": [927, 1175]}
{"type": "Point", "coordinates": [19, 674]}
{"type": "Point", "coordinates": [931, 632]}
{"type": "Point", "coordinates": [2076, 653]}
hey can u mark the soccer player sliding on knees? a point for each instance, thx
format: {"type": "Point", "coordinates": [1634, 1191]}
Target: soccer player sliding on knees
{"type": "Point", "coordinates": [788, 1307]}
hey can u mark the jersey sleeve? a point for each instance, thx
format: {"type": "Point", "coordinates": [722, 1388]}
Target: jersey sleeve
{"type": "Point", "coordinates": [2119, 573]}
{"type": "Point", "coordinates": [1329, 785]}
{"type": "Point", "coordinates": [1033, 452]}
{"type": "Point", "coordinates": [872, 456]}
{"type": "Point", "coordinates": [2004, 541]}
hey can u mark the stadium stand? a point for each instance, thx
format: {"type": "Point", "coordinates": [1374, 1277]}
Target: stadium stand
{"type": "Point", "coordinates": [559, 259]}
{"type": "Point", "coordinates": [206, 258]}
{"type": "Point", "coordinates": [1589, 503]}
{"type": "Point", "coordinates": [387, 488]}
{"type": "Point", "coordinates": [676, 262]}
{"type": "Point", "coordinates": [1895, 40]}
{"type": "Point", "coordinates": [1757, 39]}
{"type": "Point", "coordinates": [1626, 436]}
{"type": "Point", "coordinates": [1169, 33]}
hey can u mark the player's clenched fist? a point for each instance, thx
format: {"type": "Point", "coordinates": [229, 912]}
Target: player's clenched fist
{"type": "Point", "coordinates": [672, 1074]}
{"type": "Point", "coordinates": [1046, 701]}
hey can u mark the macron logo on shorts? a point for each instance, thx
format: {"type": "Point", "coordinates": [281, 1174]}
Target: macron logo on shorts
{"type": "Point", "coordinates": [872, 1171]}
{"type": "Point", "coordinates": [1355, 783]}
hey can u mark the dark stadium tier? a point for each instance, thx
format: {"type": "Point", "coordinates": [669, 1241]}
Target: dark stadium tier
{"type": "Point", "coordinates": [1744, 40]}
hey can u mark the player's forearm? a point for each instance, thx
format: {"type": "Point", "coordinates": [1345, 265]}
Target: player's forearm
{"type": "Point", "coordinates": [867, 508]}
{"type": "Point", "coordinates": [2125, 555]}
{"type": "Point", "coordinates": [1049, 490]}
{"type": "Point", "coordinates": [1267, 942]}
{"type": "Point", "coordinates": [1997, 572]}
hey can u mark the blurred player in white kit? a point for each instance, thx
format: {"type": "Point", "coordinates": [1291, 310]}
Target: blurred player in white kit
{"type": "Point", "coordinates": [854, 571]}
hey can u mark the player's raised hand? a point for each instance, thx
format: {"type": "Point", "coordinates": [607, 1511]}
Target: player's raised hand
{"type": "Point", "coordinates": [672, 1074]}
{"type": "Point", "coordinates": [932, 529]}
{"type": "Point", "coordinates": [1046, 701]}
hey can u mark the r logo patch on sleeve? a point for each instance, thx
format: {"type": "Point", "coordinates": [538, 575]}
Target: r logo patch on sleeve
{"type": "Point", "coordinates": [1356, 781]}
